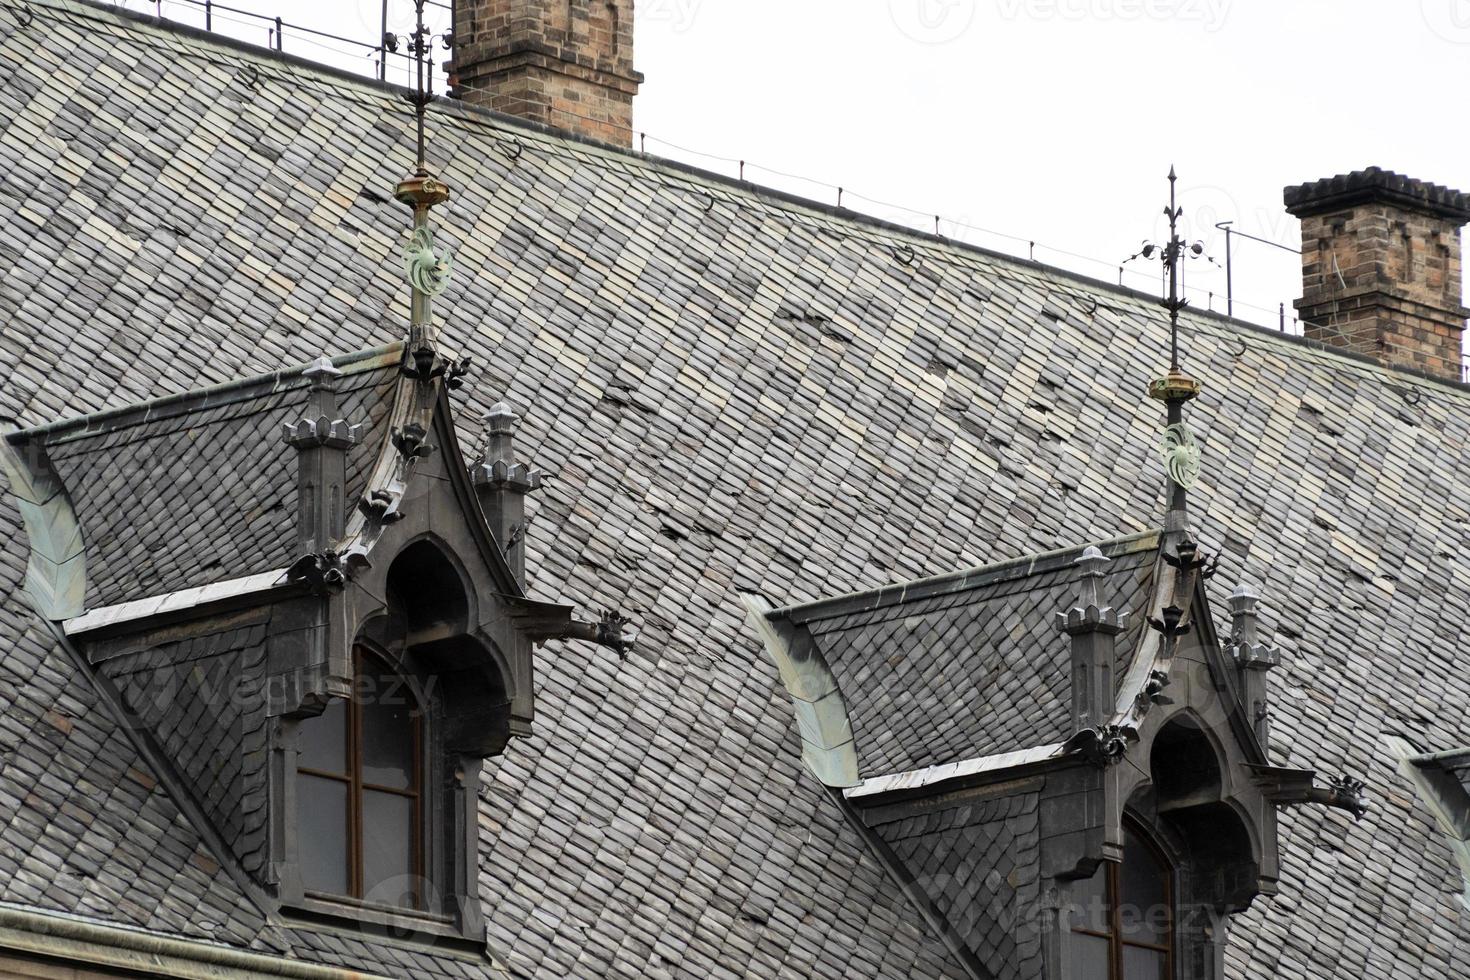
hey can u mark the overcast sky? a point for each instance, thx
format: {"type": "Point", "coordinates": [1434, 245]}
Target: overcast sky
{"type": "Point", "coordinates": [1048, 120]}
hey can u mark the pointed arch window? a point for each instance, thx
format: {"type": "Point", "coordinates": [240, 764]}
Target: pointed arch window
{"type": "Point", "coordinates": [359, 791]}
{"type": "Point", "coordinates": [1123, 917]}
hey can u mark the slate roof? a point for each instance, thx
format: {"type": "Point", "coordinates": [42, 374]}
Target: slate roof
{"type": "Point", "coordinates": [181, 491]}
{"type": "Point", "coordinates": [733, 391]}
{"type": "Point", "coordinates": [968, 665]}
{"type": "Point", "coordinates": [979, 863]}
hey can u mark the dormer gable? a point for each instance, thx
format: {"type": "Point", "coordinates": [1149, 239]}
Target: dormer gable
{"type": "Point", "coordinates": [340, 639]}
{"type": "Point", "coordinates": [1082, 714]}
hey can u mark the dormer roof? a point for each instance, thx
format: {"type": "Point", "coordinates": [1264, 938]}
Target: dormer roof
{"type": "Point", "coordinates": [967, 665]}
{"type": "Point", "coordinates": [197, 488]}
{"type": "Point", "coordinates": [732, 392]}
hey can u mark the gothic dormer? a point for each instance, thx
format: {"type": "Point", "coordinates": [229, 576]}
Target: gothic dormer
{"type": "Point", "coordinates": [1058, 758]}
{"type": "Point", "coordinates": [311, 605]}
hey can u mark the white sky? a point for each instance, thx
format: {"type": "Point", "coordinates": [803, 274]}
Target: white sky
{"type": "Point", "coordinates": [1049, 120]}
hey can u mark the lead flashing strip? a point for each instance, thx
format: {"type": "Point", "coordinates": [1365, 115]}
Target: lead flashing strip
{"type": "Point", "coordinates": [79, 941]}
{"type": "Point", "coordinates": [137, 609]}
{"type": "Point", "coordinates": [828, 748]}
{"type": "Point", "coordinates": [934, 775]}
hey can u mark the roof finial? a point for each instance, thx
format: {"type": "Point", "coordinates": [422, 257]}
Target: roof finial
{"type": "Point", "coordinates": [1178, 448]}
{"type": "Point", "coordinates": [418, 43]}
{"type": "Point", "coordinates": [427, 271]}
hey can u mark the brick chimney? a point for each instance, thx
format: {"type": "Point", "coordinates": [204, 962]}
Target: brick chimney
{"type": "Point", "coordinates": [1381, 268]}
{"type": "Point", "coordinates": [562, 63]}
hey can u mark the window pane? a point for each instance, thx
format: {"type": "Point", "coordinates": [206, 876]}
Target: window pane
{"type": "Point", "coordinates": [323, 739]}
{"type": "Point", "coordinates": [321, 830]}
{"type": "Point", "coordinates": [387, 849]}
{"type": "Point", "coordinates": [1144, 910]}
{"type": "Point", "coordinates": [387, 731]}
{"type": "Point", "coordinates": [1089, 957]}
{"type": "Point", "coordinates": [1143, 964]}
{"type": "Point", "coordinates": [1090, 902]}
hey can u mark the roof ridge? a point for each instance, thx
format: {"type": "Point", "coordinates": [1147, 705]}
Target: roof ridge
{"type": "Point", "coordinates": [964, 580]}
{"type": "Point", "coordinates": [352, 363]}
{"type": "Point", "coordinates": [634, 160]}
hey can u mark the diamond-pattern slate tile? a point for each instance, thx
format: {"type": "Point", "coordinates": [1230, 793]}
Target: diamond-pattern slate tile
{"type": "Point", "coordinates": [731, 392]}
{"type": "Point", "coordinates": [979, 668]}
{"type": "Point", "coordinates": [154, 496]}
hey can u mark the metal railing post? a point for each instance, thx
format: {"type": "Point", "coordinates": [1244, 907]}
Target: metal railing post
{"type": "Point", "coordinates": [1229, 272]}
{"type": "Point", "coordinates": [383, 64]}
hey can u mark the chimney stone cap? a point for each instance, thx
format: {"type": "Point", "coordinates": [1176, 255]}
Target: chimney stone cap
{"type": "Point", "coordinates": [1377, 185]}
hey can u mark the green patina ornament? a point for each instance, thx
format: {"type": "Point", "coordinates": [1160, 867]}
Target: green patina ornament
{"type": "Point", "coordinates": [428, 273]}
{"type": "Point", "coordinates": [1181, 455]}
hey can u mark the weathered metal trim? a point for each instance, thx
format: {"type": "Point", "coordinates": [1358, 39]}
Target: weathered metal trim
{"type": "Point", "coordinates": [79, 941]}
{"type": "Point", "coordinates": [962, 581]}
{"type": "Point", "coordinates": [1452, 757]}
{"type": "Point", "coordinates": [1438, 789]}
{"type": "Point", "coordinates": [934, 776]}
{"type": "Point", "coordinates": [56, 568]}
{"type": "Point", "coordinates": [173, 602]}
{"type": "Point", "coordinates": [827, 745]}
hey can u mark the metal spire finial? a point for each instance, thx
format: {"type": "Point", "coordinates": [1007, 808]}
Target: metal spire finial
{"type": "Point", "coordinates": [424, 90]}
{"type": "Point", "coordinates": [1171, 259]}
{"type": "Point", "coordinates": [1178, 448]}
{"type": "Point", "coordinates": [427, 270]}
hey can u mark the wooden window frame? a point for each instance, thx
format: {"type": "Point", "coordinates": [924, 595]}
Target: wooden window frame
{"type": "Point", "coordinates": [1113, 889]}
{"type": "Point", "coordinates": [355, 784]}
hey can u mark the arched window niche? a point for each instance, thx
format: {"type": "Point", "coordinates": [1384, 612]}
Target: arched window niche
{"type": "Point", "coordinates": [1190, 802]}
{"type": "Point", "coordinates": [1191, 830]}
{"type": "Point", "coordinates": [360, 795]}
{"type": "Point", "coordinates": [1181, 840]}
{"type": "Point", "coordinates": [426, 596]}
{"type": "Point", "coordinates": [1123, 918]}
{"type": "Point", "coordinates": [382, 784]}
